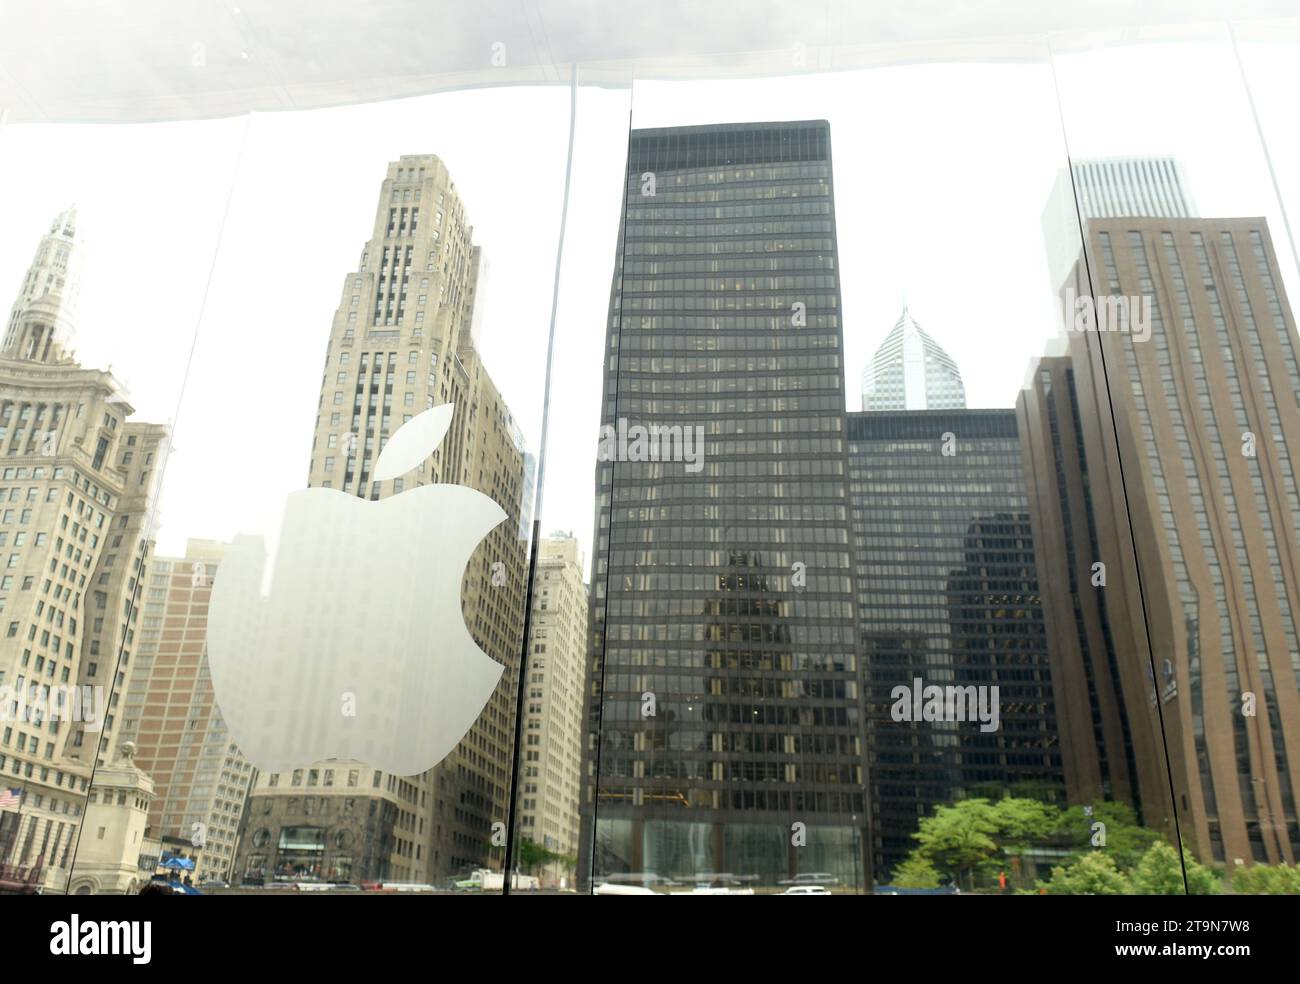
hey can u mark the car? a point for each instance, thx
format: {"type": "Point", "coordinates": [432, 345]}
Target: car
{"type": "Point", "coordinates": [646, 879]}
{"type": "Point", "coordinates": [617, 888]}
{"type": "Point", "coordinates": [812, 878]}
{"type": "Point", "coordinates": [807, 890]}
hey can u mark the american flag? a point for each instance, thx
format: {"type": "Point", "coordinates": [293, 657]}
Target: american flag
{"type": "Point", "coordinates": [10, 797]}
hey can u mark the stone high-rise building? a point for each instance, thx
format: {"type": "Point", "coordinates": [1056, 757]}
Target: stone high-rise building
{"type": "Point", "coordinates": [169, 710]}
{"type": "Point", "coordinates": [403, 340]}
{"type": "Point", "coordinates": [557, 658]}
{"type": "Point", "coordinates": [724, 713]}
{"type": "Point", "coordinates": [1196, 461]}
{"type": "Point", "coordinates": [77, 479]}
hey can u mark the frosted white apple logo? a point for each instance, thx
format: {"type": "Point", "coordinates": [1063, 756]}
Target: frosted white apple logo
{"type": "Point", "coordinates": [358, 648]}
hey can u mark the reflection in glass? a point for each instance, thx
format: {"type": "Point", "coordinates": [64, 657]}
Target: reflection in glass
{"type": "Point", "coordinates": [725, 702]}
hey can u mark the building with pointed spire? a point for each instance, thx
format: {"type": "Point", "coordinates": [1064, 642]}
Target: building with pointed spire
{"type": "Point", "coordinates": [910, 371]}
{"type": "Point", "coordinates": [43, 318]}
{"type": "Point", "coordinates": [76, 493]}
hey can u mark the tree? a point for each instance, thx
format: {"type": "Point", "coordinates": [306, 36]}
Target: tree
{"type": "Point", "coordinates": [1126, 841]}
{"type": "Point", "coordinates": [1025, 821]}
{"type": "Point", "coordinates": [533, 855]}
{"type": "Point", "coordinates": [959, 837]}
{"type": "Point", "coordinates": [1160, 872]}
{"type": "Point", "coordinates": [1263, 879]}
{"type": "Point", "coordinates": [1092, 874]}
{"type": "Point", "coordinates": [916, 872]}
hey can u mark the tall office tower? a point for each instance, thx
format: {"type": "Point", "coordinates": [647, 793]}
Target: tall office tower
{"type": "Point", "coordinates": [168, 709]}
{"type": "Point", "coordinates": [1198, 464]}
{"type": "Point", "coordinates": [911, 372]}
{"type": "Point", "coordinates": [1107, 187]}
{"type": "Point", "coordinates": [1111, 748]}
{"type": "Point", "coordinates": [401, 342]}
{"type": "Point", "coordinates": [75, 492]}
{"type": "Point", "coordinates": [724, 728]}
{"type": "Point", "coordinates": [947, 594]}
{"type": "Point", "coordinates": [557, 660]}
{"type": "Point", "coordinates": [1124, 186]}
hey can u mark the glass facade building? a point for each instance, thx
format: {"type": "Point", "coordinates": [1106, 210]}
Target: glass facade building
{"type": "Point", "coordinates": [947, 595]}
{"type": "Point", "coordinates": [725, 739]}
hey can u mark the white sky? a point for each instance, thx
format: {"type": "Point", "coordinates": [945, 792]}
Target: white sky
{"type": "Point", "coordinates": [941, 176]}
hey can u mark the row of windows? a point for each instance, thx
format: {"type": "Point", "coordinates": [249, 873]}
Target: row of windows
{"type": "Point", "coordinates": [814, 202]}
{"type": "Point", "coordinates": [767, 512]}
{"type": "Point", "coordinates": [734, 364]}
{"type": "Point", "coordinates": [687, 175]}
{"type": "Point", "coordinates": [725, 334]}
{"type": "Point", "coordinates": [779, 564]}
{"type": "Point", "coordinates": [696, 607]}
{"type": "Point", "coordinates": [719, 232]}
{"type": "Point", "coordinates": [757, 539]}
{"type": "Point", "coordinates": [654, 383]}
{"type": "Point", "coordinates": [815, 245]}
{"type": "Point", "coordinates": [813, 315]}
{"type": "Point", "coordinates": [776, 263]}
{"type": "Point", "coordinates": [648, 408]}
{"type": "Point", "coordinates": [658, 489]}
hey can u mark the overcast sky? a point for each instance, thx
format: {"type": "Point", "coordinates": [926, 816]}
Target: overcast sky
{"type": "Point", "coordinates": [941, 176]}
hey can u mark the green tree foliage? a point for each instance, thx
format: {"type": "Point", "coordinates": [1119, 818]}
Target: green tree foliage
{"type": "Point", "coordinates": [981, 835]}
{"type": "Point", "coordinates": [1262, 879]}
{"type": "Point", "coordinates": [533, 855]}
{"type": "Point", "coordinates": [958, 838]}
{"type": "Point", "coordinates": [1157, 872]}
{"type": "Point", "coordinates": [1022, 822]}
{"type": "Point", "coordinates": [1092, 874]}
{"type": "Point", "coordinates": [1126, 841]}
{"type": "Point", "coordinates": [916, 872]}
{"type": "Point", "coordinates": [1160, 873]}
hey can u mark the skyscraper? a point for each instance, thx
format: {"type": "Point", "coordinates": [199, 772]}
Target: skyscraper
{"type": "Point", "coordinates": [1110, 750]}
{"type": "Point", "coordinates": [557, 646]}
{"type": "Point", "coordinates": [1188, 428]}
{"type": "Point", "coordinates": [402, 341]}
{"type": "Point", "coordinates": [1106, 187]}
{"type": "Point", "coordinates": [76, 489]}
{"type": "Point", "coordinates": [947, 594]}
{"type": "Point", "coordinates": [724, 715]}
{"type": "Point", "coordinates": [201, 780]}
{"type": "Point", "coordinates": [910, 371]}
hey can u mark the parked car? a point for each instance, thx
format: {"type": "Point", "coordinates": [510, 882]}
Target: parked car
{"type": "Point", "coordinates": [615, 888]}
{"type": "Point", "coordinates": [807, 890]}
{"type": "Point", "coordinates": [812, 878]}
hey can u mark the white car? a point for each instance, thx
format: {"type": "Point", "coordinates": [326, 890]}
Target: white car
{"type": "Point", "coordinates": [807, 890]}
{"type": "Point", "coordinates": [614, 888]}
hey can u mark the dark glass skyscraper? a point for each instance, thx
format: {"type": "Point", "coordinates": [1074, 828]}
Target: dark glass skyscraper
{"type": "Point", "coordinates": [725, 733]}
{"type": "Point", "coordinates": [947, 594]}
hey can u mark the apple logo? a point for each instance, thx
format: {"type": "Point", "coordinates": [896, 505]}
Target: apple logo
{"type": "Point", "coordinates": [353, 644]}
